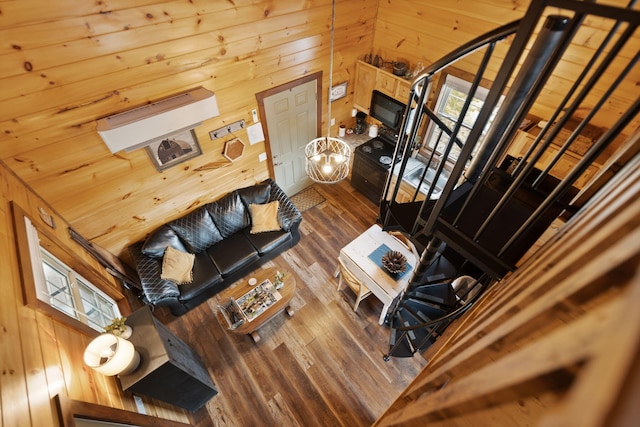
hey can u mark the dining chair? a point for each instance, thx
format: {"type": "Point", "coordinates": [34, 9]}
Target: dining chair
{"type": "Point", "coordinates": [465, 288]}
{"type": "Point", "coordinates": [405, 242]}
{"type": "Point", "coordinates": [352, 281]}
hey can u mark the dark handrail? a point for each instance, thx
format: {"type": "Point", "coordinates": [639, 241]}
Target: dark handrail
{"type": "Point", "coordinates": [466, 49]}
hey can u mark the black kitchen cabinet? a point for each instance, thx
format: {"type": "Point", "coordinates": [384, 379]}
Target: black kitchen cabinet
{"type": "Point", "coordinates": [368, 177]}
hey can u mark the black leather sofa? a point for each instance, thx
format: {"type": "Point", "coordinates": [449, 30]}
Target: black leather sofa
{"type": "Point", "coordinates": [218, 233]}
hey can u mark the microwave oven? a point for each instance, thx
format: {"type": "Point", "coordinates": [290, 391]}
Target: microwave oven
{"type": "Point", "coordinates": [387, 110]}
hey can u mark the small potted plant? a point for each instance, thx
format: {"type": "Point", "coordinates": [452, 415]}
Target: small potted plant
{"type": "Point", "coordinates": [118, 328]}
{"type": "Point", "coordinates": [279, 279]}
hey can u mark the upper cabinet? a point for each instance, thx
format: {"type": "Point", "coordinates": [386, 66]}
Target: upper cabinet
{"type": "Point", "coordinates": [370, 78]}
{"type": "Point", "coordinates": [366, 76]}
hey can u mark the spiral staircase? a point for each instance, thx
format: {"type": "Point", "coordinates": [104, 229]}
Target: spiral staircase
{"type": "Point", "coordinates": [491, 207]}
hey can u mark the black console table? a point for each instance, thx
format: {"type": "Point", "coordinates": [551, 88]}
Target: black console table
{"type": "Point", "coordinates": [169, 369]}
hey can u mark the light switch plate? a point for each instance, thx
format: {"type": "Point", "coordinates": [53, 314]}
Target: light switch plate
{"type": "Point", "coordinates": [262, 157]}
{"type": "Point", "coordinates": [254, 114]}
{"type": "Point", "coordinates": [139, 404]}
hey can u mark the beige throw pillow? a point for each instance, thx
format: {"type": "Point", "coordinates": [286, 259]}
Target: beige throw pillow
{"type": "Point", "coordinates": [264, 217]}
{"type": "Point", "coordinates": [177, 266]}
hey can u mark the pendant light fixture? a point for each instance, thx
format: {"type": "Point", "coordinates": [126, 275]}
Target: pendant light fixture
{"type": "Point", "coordinates": [327, 158]}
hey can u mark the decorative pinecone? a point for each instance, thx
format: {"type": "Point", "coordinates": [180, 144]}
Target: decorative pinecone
{"type": "Point", "coordinates": [394, 261]}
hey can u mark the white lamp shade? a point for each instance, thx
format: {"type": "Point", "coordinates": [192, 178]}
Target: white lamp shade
{"type": "Point", "coordinates": [111, 355]}
{"type": "Point", "coordinates": [327, 160]}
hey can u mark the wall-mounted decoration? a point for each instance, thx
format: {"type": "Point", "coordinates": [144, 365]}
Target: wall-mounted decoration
{"type": "Point", "coordinates": [174, 149]}
{"type": "Point", "coordinates": [255, 133]}
{"type": "Point", "coordinates": [338, 91]}
{"type": "Point", "coordinates": [226, 130]}
{"type": "Point", "coordinates": [46, 218]}
{"type": "Point", "coordinates": [233, 149]}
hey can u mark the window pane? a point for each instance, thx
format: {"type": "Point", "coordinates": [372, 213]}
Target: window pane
{"type": "Point", "coordinates": [99, 310]}
{"type": "Point", "coordinates": [75, 296]}
{"type": "Point", "coordinates": [450, 103]}
{"type": "Point", "coordinates": [59, 290]}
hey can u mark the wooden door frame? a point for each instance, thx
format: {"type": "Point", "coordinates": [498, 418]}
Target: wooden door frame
{"type": "Point", "coordinates": [317, 76]}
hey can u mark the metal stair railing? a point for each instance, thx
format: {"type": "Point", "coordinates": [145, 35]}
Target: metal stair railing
{"type": "Point", "coordinates": [411, 129]}
{"type": "Point", "coordinates": [407, 330]}
{"type": "Point", "coordinates": [438, 221]}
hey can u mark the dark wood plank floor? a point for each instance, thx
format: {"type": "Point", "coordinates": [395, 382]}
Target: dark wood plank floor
{"type": "Point", "coordinates": [322, 367]}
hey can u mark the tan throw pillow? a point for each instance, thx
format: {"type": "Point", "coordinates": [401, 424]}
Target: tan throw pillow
{"type": "Point", "coordinates": [177, 266]}
{"type": "Point", "coordinates": [264, 217]}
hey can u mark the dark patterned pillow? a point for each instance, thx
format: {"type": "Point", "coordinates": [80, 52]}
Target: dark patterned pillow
{"type": "Point", "coordinates": [228, 214]}
{"type": "Point", "coordinates": [159, 240]}
{"type": "Point", "coordinates": [197, 230]}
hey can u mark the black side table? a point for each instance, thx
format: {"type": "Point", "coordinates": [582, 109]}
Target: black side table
{"type": "Point", "coordinates": [169, 369]}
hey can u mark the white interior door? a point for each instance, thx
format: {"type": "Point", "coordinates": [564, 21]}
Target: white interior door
{"type": "Point", "coordinates": [291, 118]}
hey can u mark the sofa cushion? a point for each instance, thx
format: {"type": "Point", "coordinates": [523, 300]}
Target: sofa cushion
{"type": "Point", "coordinates": [158, 241]}
{"type": "Point", "coordinates": [205, 275]}
{"type": "Point", "coordinates": [258, 193]}
{"type": "Point", "coordinates": [228, 214]}
{"type": "Point", "coordinates": [148, 268]}
{"type": "Point", "coordinates": [177, 266]}
{"type": "Point", "coordinates": [197, 230]}
{"type": "Point", "coordinates": [264, 217]}
{"type": "Point", "coordinates": [266, 242]}
{"type": "Point", "coordinates": [288, 214]}
{"type": "Point", "coordinates": [232, 254]}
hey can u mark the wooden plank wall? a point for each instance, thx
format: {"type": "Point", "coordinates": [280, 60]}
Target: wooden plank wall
{"type": "Point", "coordinates": [63, 65]}
{"type": "Point", "coordinates": [39, 356]}
{"type": "Point", "coordinates": [425, 31]}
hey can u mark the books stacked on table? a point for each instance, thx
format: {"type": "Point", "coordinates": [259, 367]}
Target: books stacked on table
{"type": "Point", "coordinates": [250, 305]}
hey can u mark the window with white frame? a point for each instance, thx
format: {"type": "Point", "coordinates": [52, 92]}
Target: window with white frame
{"type": "Point", "coordinates": [451, 99]}
{"type": "Point", "coordinates": [62, 288]}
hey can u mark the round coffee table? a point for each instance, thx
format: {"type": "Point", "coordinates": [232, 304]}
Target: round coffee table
{"type": "Point", "coordinates": [240, 289]}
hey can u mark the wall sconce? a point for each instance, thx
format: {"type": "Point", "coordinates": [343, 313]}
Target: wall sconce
{"type": "Point", "coordinates": [111, 355]}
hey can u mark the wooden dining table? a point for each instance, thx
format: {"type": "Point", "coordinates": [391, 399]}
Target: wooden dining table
{"type": "Point", "coordinates": [363, 257]}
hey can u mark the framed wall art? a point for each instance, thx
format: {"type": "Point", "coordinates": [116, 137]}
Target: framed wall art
{"type": "Point", "coordinates": [338, 91]}
{"type": "Point", "coordinates": [174, 149]}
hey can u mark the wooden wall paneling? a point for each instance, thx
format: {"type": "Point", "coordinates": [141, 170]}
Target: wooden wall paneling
{"type": "Point", "coordinates": [52, 355]}
{"type": "Point", "coordinates": [435, 31]}
{"type": "Point", "coordinates": [40, 356]}
{"type": "Point", "coordinates": [13, 381]}
{"type": "Point", "coordinates": [35, 369]}
{"type": "Point", "coordinates": [234, 42]}
{"type": "Point", "coordinates": [132, 75]}
{"type": "Point", "coordinates": [444, 27]}
{"type": "Point", "coordinates": [254, 59]}
{"type": "Point", "coordinates": [32, 10]}
{"type": "Point", "coordinates": [186, 22]}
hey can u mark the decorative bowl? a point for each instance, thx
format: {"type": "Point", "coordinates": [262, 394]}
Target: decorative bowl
{"type": "Point", "coordinates": [394, 262]}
